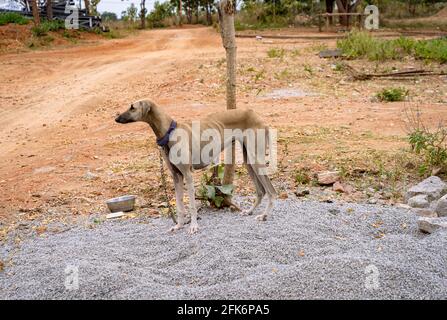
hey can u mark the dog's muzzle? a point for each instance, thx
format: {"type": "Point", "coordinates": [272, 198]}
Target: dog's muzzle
{"type": "Point", "coordinates": [121, 119]}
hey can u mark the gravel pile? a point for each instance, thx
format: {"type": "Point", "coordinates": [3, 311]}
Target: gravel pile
{"type": "Point", "coordinates": [307, 250]}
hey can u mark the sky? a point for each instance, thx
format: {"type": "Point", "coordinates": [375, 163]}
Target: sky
{"type": "Point", "coordinates": [119, 6]}
{"type": "Point", "coordinates": [116, 6]}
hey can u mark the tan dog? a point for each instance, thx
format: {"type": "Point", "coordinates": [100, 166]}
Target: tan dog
{"type": "Point", "coordinates": [165, 128]}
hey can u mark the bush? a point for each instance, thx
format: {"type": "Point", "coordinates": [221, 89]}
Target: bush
{"type": "Point", "coordinates": [12, 17]}
{"type": "Point", "coordinates": [211, 190]}
{"type": "Point", "coordinates": [363, 45]}
{"type": "Point", "coordinates": [276, 53]}
{"type": "Point", "coordinates": [392, 94]}
{"type": "Point", "coordinates": [431, 144]}
{"type": "Point", "coordinates": [156, 18]}
{"type": "Point", "coordinates": [46, 26]}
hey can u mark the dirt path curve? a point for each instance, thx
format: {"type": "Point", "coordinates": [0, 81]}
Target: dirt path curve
{"type": "Point", "coordinates": [57, 107]}
{"type": "Point", "coordinates": [46, 86]}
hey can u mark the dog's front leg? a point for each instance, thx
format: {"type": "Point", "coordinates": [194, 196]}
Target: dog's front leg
{"type": "Point", "coordinates": [192, 203]}
{"type": "Point", "coordinates": [178, 185]}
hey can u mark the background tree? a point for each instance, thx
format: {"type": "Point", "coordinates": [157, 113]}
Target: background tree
{"type": "Point", "coordinates": [346, 6]}
{"type": "Point", "coordinates": [49, 5]}
{"type": "Point", "coordinates": [143, 14]}
{"type": "Point", "coordinates": [108, 16]}
{"type": "Point", "coordinates": [87, 6]}
{"type": "Point", "coordinates": [35, 9]}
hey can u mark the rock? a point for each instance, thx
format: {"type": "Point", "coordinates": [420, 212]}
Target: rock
{"type": "Point", "coordinates": [349, 189]}
{"type": "Point", "coordinates": [302, 192]}
{"type": "Point", "coordinates": [283, 195]}
{"type": "Point", "coordinates": [425, 213]}
{"type": "Point", "coordinates": [403, 206]}
{"type": "Point", "coordinates": [338, 187]}
{"type": "Point", "coordinates": [45, 169]}
{"type": "Point", "coordinates": [258, 38]}
{"type": "Point", "coordinates": [327, 178]}
{"type": "Point", "coordinates": [433, 187]}
{"type": "Point", "coordinates": [115, 215]}
{"type": "Point", "coordinates": [441, 206]}
{"type": "Point", "coordinates": [430, 225]}
{"type": "Point", "coordinates": [419, 201]}
{"type": "Point", "coordinates": [90, 176]}
{"type": "Point", "coordinates": [334, 211]}
{"type": "Point", "coordinates": [330, 53]}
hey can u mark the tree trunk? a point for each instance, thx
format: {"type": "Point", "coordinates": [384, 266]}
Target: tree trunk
{"type": "Point", "coordinates": [344, 6]}
{"type": "Point", "coordinates": [197, 12]}
{"type": "Point", "coordinates": [330, 9]}
{"type": "Point", "coordinates": [87, 6]}
{"type": "Point", "coordinates": [189, 12]}
{"type": "Point", "coordinates": [226, 10]}
{"type": "Point", "coordinates": [209, 19]}
{"type": "Point", "coordinates": [180, 12]}
{"type": "Point", "coordinates": [143, 14]}
{"type": "Point", "coordinates": [49, 10]}
{"type": "Point", "coordinates": [35, 12]}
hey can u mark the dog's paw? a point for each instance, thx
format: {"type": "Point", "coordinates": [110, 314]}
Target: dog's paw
{"type": "Point", "coordinates": [176, 227]}
{"type": "Point", "coordinates": [261, 217]}
{"type": "Point", "coordinates": [193, 228]}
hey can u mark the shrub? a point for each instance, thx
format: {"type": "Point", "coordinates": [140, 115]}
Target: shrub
{"type": "Point", "coordinates": [364, 45]}
{"type": "Point", "coordinates": [211, 190]}
{"type": "Point", "coordinates": [156, 18]}
{"type": "Point", "coordinates": [12, 17]}
{"type": "Point", "coordinates": [46, 26]}
{"type": "Point", "coordinates": [276, 53]}
{"type": "Point", "coordinates": [392, 94]}
{"type": "Point", "coordinates": [430, 144]}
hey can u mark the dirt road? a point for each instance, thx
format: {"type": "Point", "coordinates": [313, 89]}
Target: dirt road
{"type": "Point", "coordinates": [60, 147]}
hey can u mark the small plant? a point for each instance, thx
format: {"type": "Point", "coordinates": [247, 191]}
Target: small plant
{"type": "Point", "coordinates": [364, 45]}
{"type": "Point", "coordinates": [308, 68]}
{"type": "Point", "coordinates": [392, 94]}
{"type": "Point", "coordinates": [429, 143]}
{"type": "Point", "coordinates": [46, 26]}
{"type": "Point", "coordinates": [302, 176]}
{"type": "Point", "coordinates": [339, 66]}
{"type": "Point", "coordinates": [259, 75]}
{"type": "Point", "coordinates": [12, 17]}
{"type": "Point", "coordinates": [211, 190]}
{"type": "Point", "coordinates": [276, 53]}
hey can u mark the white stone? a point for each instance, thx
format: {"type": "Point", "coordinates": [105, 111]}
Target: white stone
{"type": "Point", "coordinates": [433, 187]}
{"type": "Point", "coordinates": [430, 225]}
{"type": "Point", "coordinates": [327, 177]}
{"type": "Point", "coordinates": [419, 201]}
{"type": "Point", "coordinates": [441, 207]}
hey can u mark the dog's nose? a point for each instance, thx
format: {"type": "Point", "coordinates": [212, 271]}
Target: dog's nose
{"type": "Point", "coordinates": [117, 119]}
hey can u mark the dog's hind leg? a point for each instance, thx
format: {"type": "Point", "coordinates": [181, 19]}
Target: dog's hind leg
{"type": "Point", "coordinates": [192, 203]}
{"type": "Point", "coordinates": [270, 191]}
{"type": "Point", "coordinates": [260, 191]}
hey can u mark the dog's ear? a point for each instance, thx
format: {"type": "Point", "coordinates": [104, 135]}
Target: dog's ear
{"type": "Point", "coordinates": [147, 105]}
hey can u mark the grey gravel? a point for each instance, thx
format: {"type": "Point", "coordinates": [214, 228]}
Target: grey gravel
{"type": "Point", "coordinates": [304, 251]}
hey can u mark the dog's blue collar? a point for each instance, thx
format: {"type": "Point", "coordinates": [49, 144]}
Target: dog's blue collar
{"type": "Point", "coordinates": [165, 139]}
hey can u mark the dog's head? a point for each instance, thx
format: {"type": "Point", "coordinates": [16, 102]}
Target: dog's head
{"type": "Point", "coordinates": [137, 112]}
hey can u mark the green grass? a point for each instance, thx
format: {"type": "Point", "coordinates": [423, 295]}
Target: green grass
{"type": "Point", "coordinates": [364, 45]}
{"type": "Point", "coordinates": [276, 53]}
{"type": "Point", "coordinates": [46, 26]}
{"type": "Point", "coordinates": [11, 17]}
{"type": "Point", "coordinates": [392, 94]}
